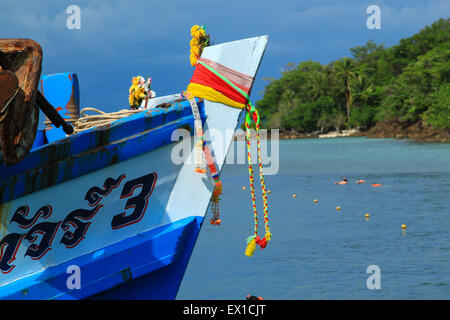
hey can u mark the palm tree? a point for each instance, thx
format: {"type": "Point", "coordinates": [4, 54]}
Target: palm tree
{"type": "Point", "coordinates": [317, 84]}
{"type": "Point", "coordinates": [362, 90]}
{"type": "Point", "coordinates": [345, 68]}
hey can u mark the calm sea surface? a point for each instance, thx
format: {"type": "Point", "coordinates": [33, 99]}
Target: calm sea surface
{"type": "Point", "coordinates": [317, 252]}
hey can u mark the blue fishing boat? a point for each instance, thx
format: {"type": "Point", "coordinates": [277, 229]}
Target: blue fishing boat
{"type": "Point", "coordinates": [105, 212]}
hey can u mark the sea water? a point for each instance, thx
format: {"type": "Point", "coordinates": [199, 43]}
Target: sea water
{"type": "Point", "coordinates": [318, 252]}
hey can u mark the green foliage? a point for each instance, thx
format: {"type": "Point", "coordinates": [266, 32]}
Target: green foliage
{"type": "Point", "coordinates": [438, 114]}
{"type": "Point", "coordinates": [408, 81]}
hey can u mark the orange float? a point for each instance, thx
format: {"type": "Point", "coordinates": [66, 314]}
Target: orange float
{"type": "Point", "coordinates": [376, 184]}
{"type": "Point", "coordinates": [215, 222]}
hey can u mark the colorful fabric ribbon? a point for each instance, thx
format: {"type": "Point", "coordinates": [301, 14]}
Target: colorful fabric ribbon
{"type": "Point", "coordinates": [210, 84]}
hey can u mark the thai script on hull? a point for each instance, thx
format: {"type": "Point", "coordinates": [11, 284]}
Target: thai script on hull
{"type": "Point", "coordinates": [40, 235]}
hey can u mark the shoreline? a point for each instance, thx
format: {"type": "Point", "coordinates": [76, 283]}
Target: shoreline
{"type": "Point", "coordinates": [415, 131]}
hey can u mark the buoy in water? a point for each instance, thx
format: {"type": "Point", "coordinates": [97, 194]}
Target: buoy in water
{"type": "Point", "coordinates": [338, 208]}
{"type": "Point", "coordinates": [403, 226]}
{"type": "Point", "coordinates": [376, 184]}
{"type": "Point", "coordinates": [315, 200]}
{"type": "Point", "coordinates": [215, 222]}
{"type": "Point", "coordinates": [367, 216]}
{"type": "Point", "coordinates": [243, 188]}
{"type": "Point", "coordinates": [294, 196]}
{"type": "Point", "coordinates": [268, 191]}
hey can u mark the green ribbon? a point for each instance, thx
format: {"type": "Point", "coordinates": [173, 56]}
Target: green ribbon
{"type": "Point", "coordinates": [242, 92]}
{"type": "Point", "coordinates": [248, 119]}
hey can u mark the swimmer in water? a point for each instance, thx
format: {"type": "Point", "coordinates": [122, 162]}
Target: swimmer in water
{"type": "Point", "coordinates": [344, 181]}
{"type": "Point", "coordinates": [249, 297]}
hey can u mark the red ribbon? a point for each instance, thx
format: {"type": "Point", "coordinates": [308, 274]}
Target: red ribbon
{"type": "Point", "coordinates": [207, 78]}
{"type": "Point", "coordinates": [262, 242]}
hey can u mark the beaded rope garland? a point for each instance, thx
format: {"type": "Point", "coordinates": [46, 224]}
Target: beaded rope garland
{"type": "Point", "coordinates": [202, 153]}
{"type": "Point", "coordinates": [198, 155]}
{"type": "Point", "coordinates": [252, 241]}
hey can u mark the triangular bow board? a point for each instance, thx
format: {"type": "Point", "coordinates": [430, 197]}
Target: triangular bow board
{"type": "Point", "coordinates": [244, 57]}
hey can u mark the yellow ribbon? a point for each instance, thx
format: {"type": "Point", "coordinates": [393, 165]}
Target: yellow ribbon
{"type": "Point", "coordinates": [210, 94]}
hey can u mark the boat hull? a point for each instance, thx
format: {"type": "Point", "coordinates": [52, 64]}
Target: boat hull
{"type": "Point", "coordinates": [109, 213]}
{"type": "Point", "coordinates": [68, 219]}
{"type": "Point", "coordinates": [140, 267]}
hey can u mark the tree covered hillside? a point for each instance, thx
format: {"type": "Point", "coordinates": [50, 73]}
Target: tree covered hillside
{"type": "Point", "coordinates": [407, 82]}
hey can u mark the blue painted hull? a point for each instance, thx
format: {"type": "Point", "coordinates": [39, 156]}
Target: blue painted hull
{"type": "Point", "coordinates": [110, 213]}
{"type": "Point", "coordinates": [88, 151]}
{"type": "Point", "coordinates": [119, 257]}
{"type": "Point", "coordinates": [140, 267]}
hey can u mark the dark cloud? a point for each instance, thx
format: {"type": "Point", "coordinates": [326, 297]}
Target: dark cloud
{"type": "Point", "coordinates": [121, 39]}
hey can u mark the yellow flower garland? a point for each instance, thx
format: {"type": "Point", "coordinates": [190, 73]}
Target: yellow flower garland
{"type": "Point", "coordinates": [200, 39]}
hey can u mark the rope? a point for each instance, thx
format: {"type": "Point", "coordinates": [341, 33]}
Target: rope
{"type": "Point", "coordinates": [86, 121]}
{"type": "Point", "coordinates": [253, 240]}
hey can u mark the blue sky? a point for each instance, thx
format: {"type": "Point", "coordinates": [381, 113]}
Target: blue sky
{"type": "Point", "coordinates": [121, 39]}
